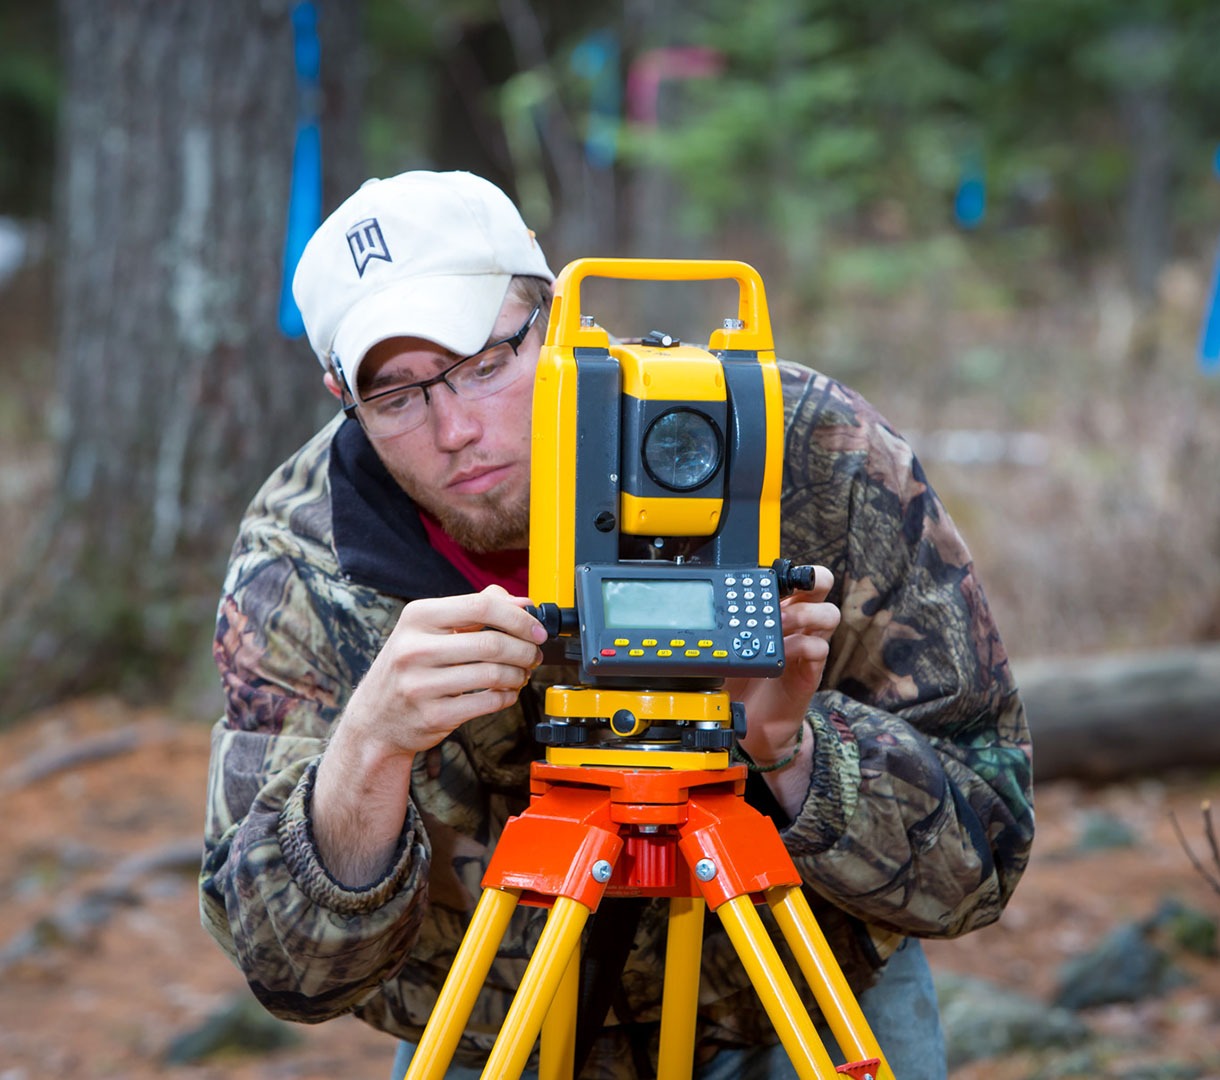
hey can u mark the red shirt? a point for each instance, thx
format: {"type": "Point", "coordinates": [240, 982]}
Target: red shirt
{"type": "Point", "coordinates": [509, 569]}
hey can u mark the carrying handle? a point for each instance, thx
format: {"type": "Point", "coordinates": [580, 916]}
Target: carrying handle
{"type": "Point", "coordinates": [754, 333]}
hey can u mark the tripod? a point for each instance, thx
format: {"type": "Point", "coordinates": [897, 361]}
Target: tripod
{"type": "Point", "coordinates": [630, 822]}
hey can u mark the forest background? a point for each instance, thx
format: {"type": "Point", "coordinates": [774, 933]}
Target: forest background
{"type": "Point", "coordinates": [998, 220]}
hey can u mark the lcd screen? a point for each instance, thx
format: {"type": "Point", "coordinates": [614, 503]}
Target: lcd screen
{"type": "Point", "coordinates": [669, 605]}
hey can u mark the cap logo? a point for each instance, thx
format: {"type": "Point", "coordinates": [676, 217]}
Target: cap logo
{"type": "Point", "coordinates": [365, 242]}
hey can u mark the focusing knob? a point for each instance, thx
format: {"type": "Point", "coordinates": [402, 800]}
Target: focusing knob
{"type": "Point", "coordinates": [557, 621]}
{"type": "Point", "coordinates": [790, 577]}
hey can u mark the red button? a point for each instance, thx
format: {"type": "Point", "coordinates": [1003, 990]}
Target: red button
{"type": "Point", "coordinates": [609, 652]}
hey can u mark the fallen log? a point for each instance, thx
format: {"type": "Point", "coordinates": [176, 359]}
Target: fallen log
{"type": "Point", "coordinates": [85, 751]}
{"type": "Point", "coordinates": [77, 918]}
{"type": "Point", "coordinates": [1115, 716]}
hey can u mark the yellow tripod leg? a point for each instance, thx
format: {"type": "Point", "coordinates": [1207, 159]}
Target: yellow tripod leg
{"type": "Point", "coordinates": [557, 1059]}
{"type": "Point", "coordinates": [779, 997]}
{"type": "Point", "coordinates": [838, 1004]}
{"type": "Point", "coordinates": [560, 939]}
{"type": "Point", "coordinates": [462, 985]}
{"type": "Point", "coordinates": [680, 996]}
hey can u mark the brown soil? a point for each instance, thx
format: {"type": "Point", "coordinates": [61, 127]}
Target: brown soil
{"type": "Point", "coordinates": [104, 998]}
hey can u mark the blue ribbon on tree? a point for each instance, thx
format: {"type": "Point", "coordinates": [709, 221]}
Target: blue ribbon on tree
{"type": "Point", "coordinates": [596, 60]}
{"type": "Point", "coordinates": [305, 200]}
{"type": "Point", "coordinates": [1209, 342]}
{"type": "Point", "coordinates": [970, 200]}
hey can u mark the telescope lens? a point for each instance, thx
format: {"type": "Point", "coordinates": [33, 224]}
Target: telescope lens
{"type": "Point", "coordinates": [682, 449]}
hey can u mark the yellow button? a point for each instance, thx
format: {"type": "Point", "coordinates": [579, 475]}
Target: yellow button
{"type": "Point", "coordinates": [678, 642]}
{"type": "Point", "coordinates": [706, 643]}
{"type": "Point", "coordinates": [649, 642]}
{"type": "Point", "coordinates": [692, 652]}
{"type": "Point", "coordinates": [665, 652]}
{"type": "Point", "coordinates": [622, 641]}
{"type": "Point", "coordinates": [720, 654]}
{"type": "Point", "coordinates": [635, 652]}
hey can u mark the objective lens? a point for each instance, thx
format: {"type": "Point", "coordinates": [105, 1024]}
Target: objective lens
{"type": "Point", "coordinates": [682, 449]}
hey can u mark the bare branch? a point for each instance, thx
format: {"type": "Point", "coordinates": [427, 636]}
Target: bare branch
{"type": "Point", "coordinates": [1194, 861]}
{"type": "Point", "coordinates": [1209, 829]}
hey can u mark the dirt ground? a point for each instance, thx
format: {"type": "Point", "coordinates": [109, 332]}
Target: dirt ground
{"type": "Point", "coordinates": [103, 839]}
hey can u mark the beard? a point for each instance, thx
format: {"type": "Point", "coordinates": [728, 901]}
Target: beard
{"type": "Point", "coordinates": [492, 521]}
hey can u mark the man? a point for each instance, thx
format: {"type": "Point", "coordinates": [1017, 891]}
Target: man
{"type": "Point", "coordinates": [382, 677]}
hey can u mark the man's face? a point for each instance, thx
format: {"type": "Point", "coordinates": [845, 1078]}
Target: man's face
{"type": "Point", "coordinates": [468, 463]}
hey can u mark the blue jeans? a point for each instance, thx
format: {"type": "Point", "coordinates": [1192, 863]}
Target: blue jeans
{"type": "Point", "coordinates": [900, 1008]}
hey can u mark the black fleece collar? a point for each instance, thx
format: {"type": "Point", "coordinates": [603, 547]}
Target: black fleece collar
{"type": "Point", "coordinates": [378, 536]}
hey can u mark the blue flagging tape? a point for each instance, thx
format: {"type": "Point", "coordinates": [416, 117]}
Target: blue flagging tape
{"type": "Point", "coordinates": [1209, 342]}
{"type": "Point", "coordinates": [305, 200]}
{"type": "Point", "coordinates": [970, 203]}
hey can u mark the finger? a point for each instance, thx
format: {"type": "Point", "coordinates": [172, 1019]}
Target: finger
{"type": "Point", "coordinates": [823, 582]}
{"type": "Point", "coordinates": [806, 662]}
{"type": "Point", "coordinates": [500, 591]}
{"type": "Point", "coordinates": [424, 689]}
{"type": "Point", "coordinates": [495, 646]}
{"type": "Point", "coordinates": [448, 714]}
{"type": "Point", "coordinates": [476, 647]}
{"type": "Point", "coordinates": [419, 686]}
{"type": "Point", "coordinates": [416, 652]}
{"type": "Point", "coordinates": [491, 608]}
{"type": "Point", "coordinates": [810, 618]}
{"type": "Point", "coordinates": [801, 598]}
{"type": "Point", "coordinates": [510, 615]}
{"type": "Point", "coordinates": [471, 678]}
{"type": "Point", "coordinates": [806, 648]}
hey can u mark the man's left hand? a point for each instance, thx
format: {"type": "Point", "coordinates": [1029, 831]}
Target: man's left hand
{"type": "Point", "coordinates": [775, 708]}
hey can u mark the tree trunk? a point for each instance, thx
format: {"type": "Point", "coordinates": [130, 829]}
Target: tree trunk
{"type": "Point", "coordinates": [1147, 114]}
{"type": "Point", "coordinates": [177, 391]}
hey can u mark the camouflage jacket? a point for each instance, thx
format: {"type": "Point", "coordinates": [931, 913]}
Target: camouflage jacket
{"type": "Point", "coordinates": [918, 819]}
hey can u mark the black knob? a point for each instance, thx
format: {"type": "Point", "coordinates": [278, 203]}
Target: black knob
{"type": "Point", "coordinates": [560, 734]}
{"type": "Point", "coordinates": [737, 710]}
{"type": "Point", "coordinates": [790, 577]}
{"type": "Point", "coordinates": [556, 620]}
{"type": "Point", "coordinates": [718, 738]}
{"type": "Point", "coordinates": [623, 723]}
{"type": "Point", "coordinates": [660, 339]}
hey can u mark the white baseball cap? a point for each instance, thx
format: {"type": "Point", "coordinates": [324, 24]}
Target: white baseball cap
{"type": "Point", "coordinates": [421, 254]}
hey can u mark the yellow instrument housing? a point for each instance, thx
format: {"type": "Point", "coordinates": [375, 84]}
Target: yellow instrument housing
{"type": "Point", "coordinates": [680, 373]}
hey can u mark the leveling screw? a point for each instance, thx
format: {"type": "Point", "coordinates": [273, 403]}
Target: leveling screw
{"type": "Point", "coordinates": [601, 871]}
{"type": "Point", "coordinates": [705, 869]}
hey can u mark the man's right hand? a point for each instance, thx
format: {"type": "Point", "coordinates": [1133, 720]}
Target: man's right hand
{"type": "Point", "coordinates": [447, 661]}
